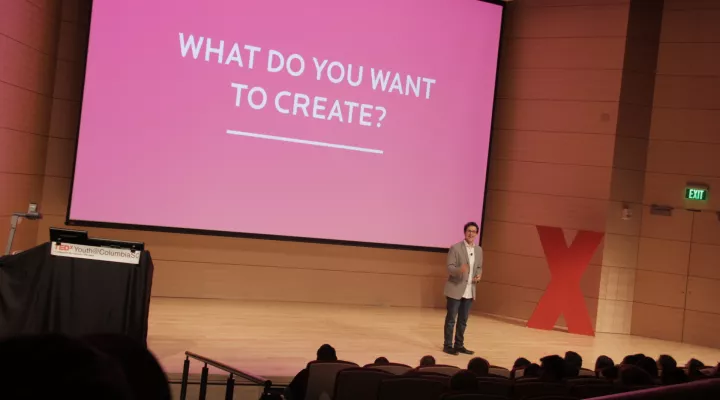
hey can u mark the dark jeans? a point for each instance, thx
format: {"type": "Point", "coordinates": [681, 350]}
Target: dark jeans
{"type": "Point", "coordinates": [459, 309]}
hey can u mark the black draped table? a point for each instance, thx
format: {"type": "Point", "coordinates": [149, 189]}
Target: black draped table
{"type": "Point", "coordinates": [42, 293]}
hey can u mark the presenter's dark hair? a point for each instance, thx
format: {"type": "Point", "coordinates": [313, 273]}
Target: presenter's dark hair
{"type": "Point", "coordinates": [469, 224]}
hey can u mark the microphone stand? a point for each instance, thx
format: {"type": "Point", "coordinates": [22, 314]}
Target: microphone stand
{"type": "Point", "coordinates": [13, 226]}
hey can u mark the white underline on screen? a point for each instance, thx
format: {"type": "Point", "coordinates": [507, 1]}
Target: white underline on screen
{"type": "Point", "coordinates": [301, 141]}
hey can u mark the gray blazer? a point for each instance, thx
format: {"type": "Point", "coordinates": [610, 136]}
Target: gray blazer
{"type": "Point", "coordinates": [457, 281]}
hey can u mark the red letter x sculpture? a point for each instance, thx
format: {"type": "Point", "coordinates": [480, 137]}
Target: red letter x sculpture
{"type": "Point", "coordinates": [563, 294]}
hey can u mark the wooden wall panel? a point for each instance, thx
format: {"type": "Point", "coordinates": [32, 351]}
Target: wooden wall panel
{"type": "Point", "coordinates": [60, 157]}
{"type": "Point", "coordinates": [535, 209]}
{"type": "Point", "coordinates": [687, 92]}
{"type": "Point", "coordinates": [701, 329]}
{"type": "Point", "coordinates": [637, 88]}
{"type": "Point", "coordinates": [702, 59]}
{"type": "Point", "coordinates": [671, 5]}
{"type": "Point", "coordinates": [512, 238]}
{"type": "Point", "coordinates": [666, 256]}
{"type": "Point", "coordinates": [560, 84]}
{"type": "Point", "coordinates": [179, 279]}
{"type": "Point", "coordinates": [617, 284]}
{"type": "Point", "coordinates": [507, 301]}
{"type": "Point", "coordinates": [17, 191]}
{"type": "Point", "coordinates": [627, 185]}
{"type": "Point", "coordinates": [30, 69]}
{"type": "Point", "coordinates": [55, 196]}
{"type": "Point", "coordinates": [706, 228]}
{"type": "Point", "coordinates": [630, 153]}
{"type": "Point", "coordinates": [620, 251]}
{"type": "Point", "coordinates": [604, 20]}
{"type": "Point", "coordinates": [569, 3]}
{"type": "Point", "coordinates": [77, 11]}
{"type": "Point", "coordinates": [702, 295]}
{"type": "Point", "coordinates": [553, 147]}
{"type": "Point", "coordinates": [678, 226]}
{"type": "Point", "coordinates": [65, 119]}
{"type": "Point", "coordinates": [516, 270]}
{"type": "Point", "coordinates": [705, 261]}
{"type": "Point", "coordinates": [614, 316]}
{"type": "Point", "coordinates": [28, 36]}
{"type": "Point", "coordinates": [70, 45]}
{"type": "Point", "coordinates": [24, 152]}
{"type": "Point", "coordinates": [556, 116]}
{"type": "Point", "coordinates": [683, 148]}
{"type": "Point", "coordinates": [563, 53]}
{"type": "Point", "coordinates": [23, 110]}
{"type": "Point", "coordinates": [68, 80]}
{"type": "Point", "coordinates": [633, 120]}
{"type": "Point", "coordinates": [658, 322]}
{"type": "Point", "coordinates": [690, 25]}
{"type": "Point", "coordinates": [551, 179]}
{"type": "Point", "coordinates": [31, 25]}
{"type": "Point", "coordinates": [660, 289]}
{"type": "Point", "coordinates": [698, 159]}
{"type": "Point", "coordinates": [690, 125]}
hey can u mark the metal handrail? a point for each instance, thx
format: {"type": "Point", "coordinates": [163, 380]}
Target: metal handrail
{"type": "Point", "coordinates": [230, 384]}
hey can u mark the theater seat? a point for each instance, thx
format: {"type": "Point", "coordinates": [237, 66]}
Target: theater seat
{"type": "Point", "coordinates": [321, 378]}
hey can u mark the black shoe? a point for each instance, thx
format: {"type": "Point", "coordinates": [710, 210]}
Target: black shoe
{"type": "Point", "coordinates": [463, 350]}
{"type": "Point", "coordinates": [450, 350]}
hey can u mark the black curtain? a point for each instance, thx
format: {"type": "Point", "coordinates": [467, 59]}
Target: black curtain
{"type": "Point", "coordinates": [41, 293]}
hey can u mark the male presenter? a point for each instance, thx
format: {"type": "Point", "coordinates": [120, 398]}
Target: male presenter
{"type": "Point", "coordinates": [464, 265]}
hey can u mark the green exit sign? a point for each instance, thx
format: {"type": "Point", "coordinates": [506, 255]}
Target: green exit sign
{"type": "Point", "coordinates": [696, 194]}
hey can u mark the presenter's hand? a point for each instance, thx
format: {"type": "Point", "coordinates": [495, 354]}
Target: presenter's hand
{"type": "Point", "coordinates": [476, 279]}
{"type": "Point", "coordinates": [464, 268]}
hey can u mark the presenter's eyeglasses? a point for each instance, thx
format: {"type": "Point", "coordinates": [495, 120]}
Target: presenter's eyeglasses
{"type": "Point", "coordinates": [473, 231]}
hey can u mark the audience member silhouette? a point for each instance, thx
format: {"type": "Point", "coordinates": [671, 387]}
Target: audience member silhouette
{"type": "Point", "coordinates": [666, 363]}
{"type": "Point", "coordinates": [573, 363]}
{"type": "Point", "coordinates": [673, 376]}
{"type": "Point", "coordinates": [531, 371]}
{"type": "Point", "coordinates": [427, 361]}
{"type": "Point", "coordinates": [632, 359]}
{"type": "Point", "coordinates": [464, 381]}
{"type": "Point", "coordinates": [479, 366]}
{"type": "Point", "coordinates": [73, 370]}
{"type": "Point", "coordinates": [298, 386]}
{"type": "Point", "coordinates": [603, 362]}
{"type": "Point", "coordinates": [650, 366]}
{"type": "Point", "coordinates": [693, 368]}
{"type": "Point", "coordinates": [552, 368]}
{"type": "Point", "coordinates": [145, 376]}
{"type": "Point", "coordinates": [521, 362]}
{"type": "Point", "coordinates": [632, 375]}
{"type": "Point", "coordinates": [611, 373]}
{"type": "Point", "coordinates": [381, 361]}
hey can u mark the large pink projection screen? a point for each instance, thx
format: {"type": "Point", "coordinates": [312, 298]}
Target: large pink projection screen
{"type": "Point", "coordinates": [351, 121]}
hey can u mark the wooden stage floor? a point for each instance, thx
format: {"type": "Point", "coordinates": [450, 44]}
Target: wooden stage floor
{"type": "Point", "coordinates": [278, 339]}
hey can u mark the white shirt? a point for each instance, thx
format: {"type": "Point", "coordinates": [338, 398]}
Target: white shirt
{"type": "Point", "coordinates": [471, 257]}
